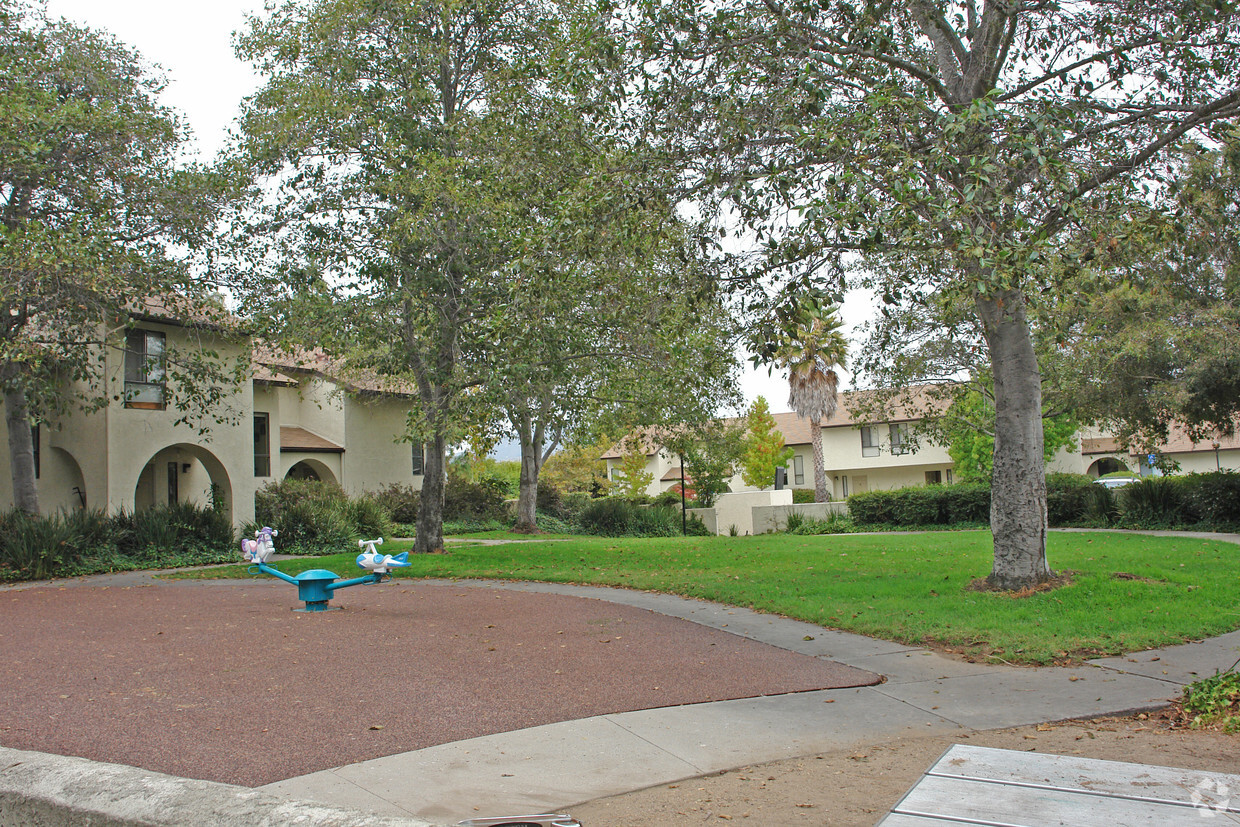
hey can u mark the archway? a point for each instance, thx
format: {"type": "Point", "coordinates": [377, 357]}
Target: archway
{"type": "Point", "coordinates": [62, 485]}
{"type": "Point", "coordinates": [184, 473]}
{"type": "Point", "coordinates": [310, 469]}
{"type": "Point", "coordinates": [1106, 465]}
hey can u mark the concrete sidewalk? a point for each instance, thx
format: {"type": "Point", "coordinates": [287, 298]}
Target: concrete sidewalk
{"type": "Point", "coordinates": [553, 767]}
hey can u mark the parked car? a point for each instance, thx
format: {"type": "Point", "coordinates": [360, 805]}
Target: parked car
{"type": "Point", "coordinates": [1115, 482]}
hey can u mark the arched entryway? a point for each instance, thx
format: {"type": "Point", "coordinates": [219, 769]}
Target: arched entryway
{"type": "Point", "coordinates": [310, 469]}
{"type": "Point", "coordinates": [1106, 465]}
{"type": "Point", "coordinates": [184, 473]}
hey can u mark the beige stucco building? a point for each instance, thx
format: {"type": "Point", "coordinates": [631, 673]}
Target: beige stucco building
{"type": "Point", "coordinates": [294, 417]}
{"type": "Point", "coordinates": [860, 455]}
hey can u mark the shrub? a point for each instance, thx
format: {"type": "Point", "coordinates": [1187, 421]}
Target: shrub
{"type": "Point", "coordinates": [1068, 498]}
{"type": "Point", "coordinates": [667, 498]}
{"type": "Point", "coordinates": [967, 502]}
{"type": "Point", "coordinates": [1151, 501]}
{"type": "Point", "coordinates": [609, 517]}
{"type": "Point", "coordinates": [801, 496]}
{"type": "Point", "coordinates": [400, 502]}
{"type": "Point", "coordinates": [370, 518]}
{"type": "Point", "coordinates": [1100, 505]}
{"type": "Point", "coordinates": [875, 507]}
{"type": "Point", "coordinates": [310, 515]}
{"type": "Point", "coordinates": [549, 500]}
{"type": "Point", "coordinates": [833, 524]}
{"type": "Point", "coordinates": [1214, 702]}
{"type": "Point", "coordinates": [922, 505]}
{"type": "Point", "coordinates": [1212, 498]}
{"type": "Point", "coordinates": [474, 501]}
{"type": "Point", "coordinates": [33, 548]}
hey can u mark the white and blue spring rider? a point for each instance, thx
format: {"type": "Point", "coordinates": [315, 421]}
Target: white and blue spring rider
{"type": "Point", "coordinates": [315, 587]}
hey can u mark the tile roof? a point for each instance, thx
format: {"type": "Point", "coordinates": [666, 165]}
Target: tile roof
{"type": "Point", "coordinates": [295, 439]}
{"type": "Point", "coordinates": [315, 362]}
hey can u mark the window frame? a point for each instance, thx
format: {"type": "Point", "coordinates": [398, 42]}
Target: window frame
{"type": "Point", "coordinates": [798, 469]}
{"type": "Point", "coordinates": [265, 455]}
{"type": "Point", "coordinates": [144, 370]}
{"type": "Point", "coordinates": [871, 447]}
{"type": "Point", "coordinates": [418, 459]}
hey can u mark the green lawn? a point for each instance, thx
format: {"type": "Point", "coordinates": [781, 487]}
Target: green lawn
{"type": "Point", "coordinates": [905, 587]}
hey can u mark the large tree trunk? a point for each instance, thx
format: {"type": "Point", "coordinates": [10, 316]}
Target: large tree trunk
{"type": "Point", "coordinates": [820, 471]}
{"type": "Point", "coordinates": [429, 539]}
{"type": "Point", "coordinates": [21, 450]}
{"type": "Point", "coordinates": [527, 487]}
{"type": "Point", "coordinates": [1018, 488]}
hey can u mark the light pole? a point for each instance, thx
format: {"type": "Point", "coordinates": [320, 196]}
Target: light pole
{"type": "Point", "coordinates": [1217, 467]}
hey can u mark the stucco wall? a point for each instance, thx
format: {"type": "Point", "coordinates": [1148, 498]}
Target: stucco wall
{"type": "Point", "coordinates": [374, 458]}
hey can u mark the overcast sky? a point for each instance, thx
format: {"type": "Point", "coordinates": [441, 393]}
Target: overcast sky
{"type": "Point", "coordinates": [191, 42]}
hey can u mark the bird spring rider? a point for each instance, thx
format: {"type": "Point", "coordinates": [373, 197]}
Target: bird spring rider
{"type": "Point", "coordinates": [316, 586]}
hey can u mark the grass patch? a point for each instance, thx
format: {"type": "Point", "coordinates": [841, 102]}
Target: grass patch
{"type": "Point", "coordinates": [911, 588]}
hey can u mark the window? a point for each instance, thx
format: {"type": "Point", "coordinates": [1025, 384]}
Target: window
{"type": "Point", "coordinates": [899, 434]}
{"type": "Point", "coordinates": [844, 487]}
{"type": "Point", "coordinates": [949, 476]}
{"type": "Point", "coordinates": [144, 370]}
{"type": "Point", "coordinates": [934, 477]}
{"type": "Point", "coordinates": [34, 442]}
{"type": "Point", "coordinates": [419, 460]}
{"type": "Point", "coordinates": [869, 441]}
{"type": "Point", "coordinates": [798, 469]}
{"type": "Point", "coordinates": [173, 480]}
{"type": "Point", "coordinates": [262, 445]}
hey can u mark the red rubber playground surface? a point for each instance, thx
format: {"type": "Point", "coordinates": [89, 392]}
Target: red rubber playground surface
{"type": "Point", "coordinates": [219, 680]}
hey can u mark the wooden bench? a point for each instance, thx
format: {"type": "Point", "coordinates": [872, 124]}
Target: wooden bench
{"type": "Point", "coordinates": [978, 785]}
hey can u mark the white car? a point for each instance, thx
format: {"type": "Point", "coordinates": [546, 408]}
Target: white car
{"type": "Point", "coordinates": [1115, 482]}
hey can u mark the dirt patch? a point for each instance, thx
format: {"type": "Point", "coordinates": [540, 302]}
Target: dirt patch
{"type": "Point", "coordinates": [857, 786]}
{"type": "Point", "coordinates": [1064, 578]}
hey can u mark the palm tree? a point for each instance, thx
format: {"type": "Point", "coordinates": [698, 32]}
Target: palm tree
{"type": "Point", "coordinates": [812, 349]}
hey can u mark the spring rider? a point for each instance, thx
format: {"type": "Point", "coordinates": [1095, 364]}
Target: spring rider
{"type": "Point", "coordinates": [315, 587]}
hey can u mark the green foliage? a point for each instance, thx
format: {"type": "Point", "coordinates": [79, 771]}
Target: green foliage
{"type": "Point", "coordinates": [475, 501]}
{"type": "Point", "coordinates": [1150, 502]}
{"type": "Point", "coordinates": [802, 495]}
{"type": "Point", "coordinates": [764, 447]}
{"type": "Point", "coordinates": [614, 517]}
{"type": "Point", "coordinates": [399, 501]}
{"type": "Point", "coordinates": [311, 515]}
{"type": "Point", "coordinates": [578, 467]}
{"type": "Point", "coordinates": [1214, 702]}
{"type": "Point", "coordinates": [1212, 498]}
{"type": "Point", "coordinates": [968, 429]}
{"type": "Point", "coordinates": [88, 542]}
{"type": "Point", "coordinates": [834, 523]}
{"type": "Point", "coordinates": [634, 478]}
{"type": "Point", "coordinates": [922, 505]}
{"type": "Point", "coordinates": [711, 451]}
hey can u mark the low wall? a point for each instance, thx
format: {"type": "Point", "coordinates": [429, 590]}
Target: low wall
{"type": "Point", "coordinates": [57, 791]}
{"type": "Point", "coordinates": [737, 510]}
{"type": "Point", "coordinates": [775, 517]}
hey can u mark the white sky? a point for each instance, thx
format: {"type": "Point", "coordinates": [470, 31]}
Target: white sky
{"type": "Point", "coordinates": [191, 42]}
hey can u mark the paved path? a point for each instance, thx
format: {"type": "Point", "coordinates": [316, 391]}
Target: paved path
{"type": "Point", "coordinates": [553, 767]}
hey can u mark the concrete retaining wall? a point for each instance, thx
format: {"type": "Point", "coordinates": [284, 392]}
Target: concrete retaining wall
{"type": "Point", "coordinates": [775, 517]}
{"type": "Point", "coordinates": [41, 790]}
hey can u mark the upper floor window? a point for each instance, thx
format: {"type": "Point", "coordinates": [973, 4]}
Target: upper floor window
{"type": "Point", "coordinates": [869, 441]}
{"type": "Point", "coordinates": [144, 369]}
{"type": "Point", "coordinates": [419, 460]}
{"type": "Point", "coordinates": [262, 445]}
{"type": "Point", "coordinates": [899, 439]}
{"type": "Point", "coordinates": [798, 469]}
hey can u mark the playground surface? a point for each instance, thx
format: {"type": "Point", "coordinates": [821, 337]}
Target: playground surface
{"type": "Point", "coordinates": [220, 680]}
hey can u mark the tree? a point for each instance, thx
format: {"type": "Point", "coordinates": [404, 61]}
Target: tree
{"type": "Point", "coordinates": [395, 136]}
{"type": "Point", "coordinates": [968, 153]}
{"type": "Point", "coordinates": [711, 450]}
{"type": "Point", "coordinates": [764, 447]}
{"type": "Point", "coordinates": [634, 478]}
{"type": "Point", "coordinates": [1162, 344]}
{"type": "Point", "coordinates": [810, 347]}
{"type": "Point", "coordinates": [91, 194]}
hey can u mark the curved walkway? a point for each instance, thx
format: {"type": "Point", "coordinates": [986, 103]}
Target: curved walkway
{"type": "Point", "coordinates": [555, 766]}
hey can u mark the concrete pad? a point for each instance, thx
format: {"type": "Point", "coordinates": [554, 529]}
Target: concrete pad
{"type": "Point", "coordinates": [533, 770]}
{"type": "Point", "coordinates": [729, 734]}
{"type": "Point", "coordinates": [1180, 664]}
{"type": "Point", "coordinates": [1009, 697]}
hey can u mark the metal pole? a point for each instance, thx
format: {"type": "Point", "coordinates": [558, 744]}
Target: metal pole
{"type": "Point", "coordinates": [684, 526]}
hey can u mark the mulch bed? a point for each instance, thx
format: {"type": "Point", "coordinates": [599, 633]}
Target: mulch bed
{"type": "Point", "coordinates": [219, 680]}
